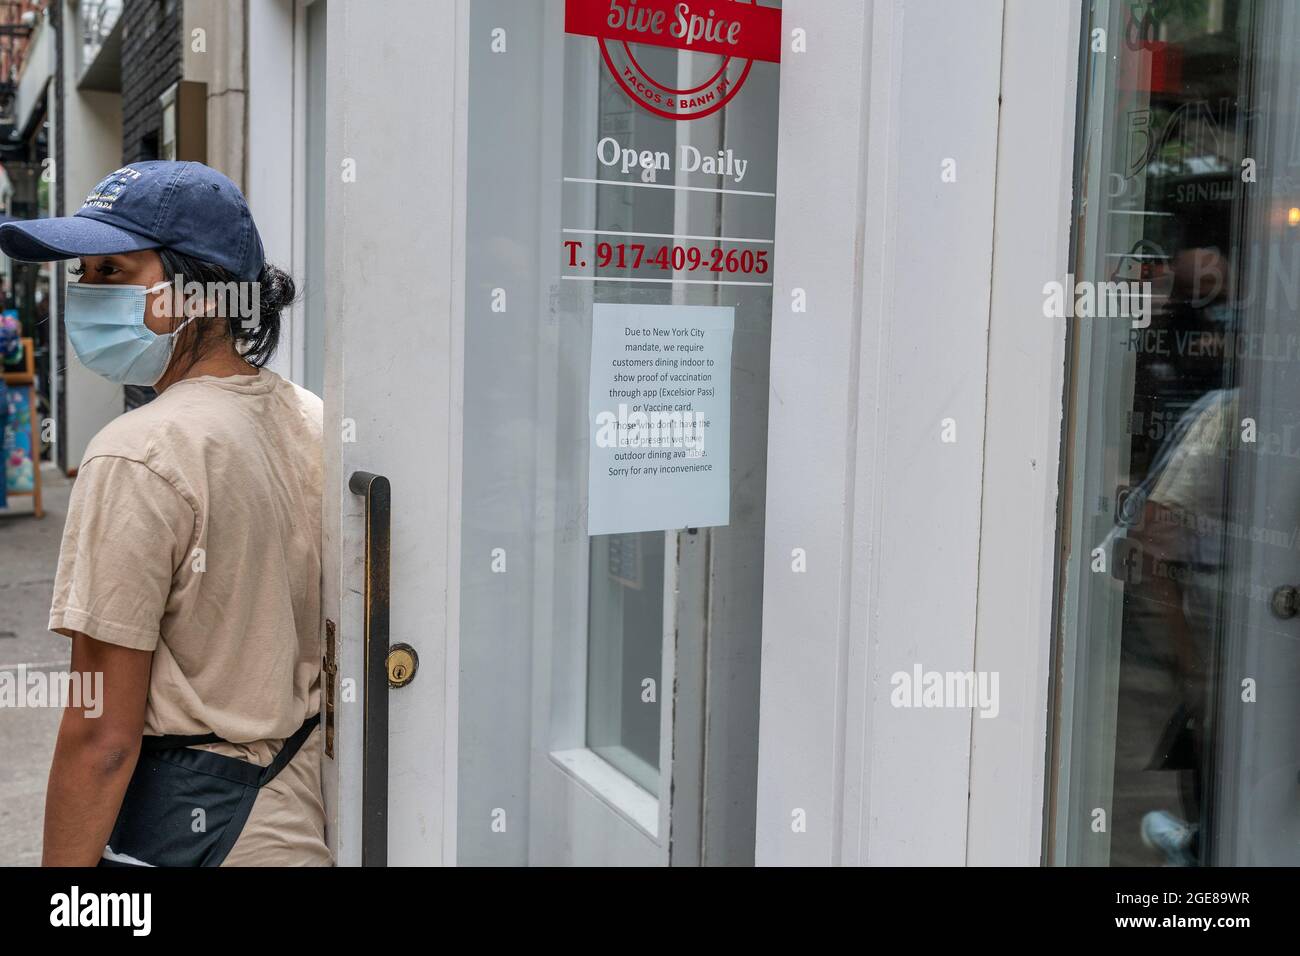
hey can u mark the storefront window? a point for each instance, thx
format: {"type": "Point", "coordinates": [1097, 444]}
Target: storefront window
{"type": "Point", "coordinates": [619, 231]}
{"type": "Point", "coordinates": [1178, 655]}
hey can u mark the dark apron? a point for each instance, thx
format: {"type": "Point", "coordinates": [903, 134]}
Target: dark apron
{"type": "Point", "coordinates": [187, 807]}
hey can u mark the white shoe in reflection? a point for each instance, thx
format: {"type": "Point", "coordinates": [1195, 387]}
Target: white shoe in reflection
{"type": "Point", "coordinates": [1163, 831]}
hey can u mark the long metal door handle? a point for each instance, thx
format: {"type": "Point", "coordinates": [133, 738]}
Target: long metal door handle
{"type": "Point", "coordinates": [374, 762]}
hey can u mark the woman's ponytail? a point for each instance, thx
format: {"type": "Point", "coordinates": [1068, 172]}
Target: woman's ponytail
{"type": "Point", "coordinates": [254, 310]}
{"type": "Point", "coordinates": [257, 340]}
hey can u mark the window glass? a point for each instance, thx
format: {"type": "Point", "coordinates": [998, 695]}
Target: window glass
{"type": "Point", "coordinates": [587, 632]}
{"type": "Point", "coordinates": [1178, 656]}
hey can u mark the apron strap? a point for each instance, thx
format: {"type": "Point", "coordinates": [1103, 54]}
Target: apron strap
{"type": "Point", "coordinates": [176, 741]}
{"type": "Point", "coordinates": [287, 752]}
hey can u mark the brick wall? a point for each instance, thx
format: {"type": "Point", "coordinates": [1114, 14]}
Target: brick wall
{"type": "Point", "coordinates": [13, 51]}
{"type": "Point", "coordinates": [151, 62]}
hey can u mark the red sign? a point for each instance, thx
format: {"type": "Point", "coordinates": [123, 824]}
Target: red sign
{"type": "Point", "coordinates": [739, 32]}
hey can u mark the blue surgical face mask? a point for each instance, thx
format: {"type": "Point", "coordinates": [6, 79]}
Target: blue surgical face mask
{"type": "Point", "coordinates": [106, 326]}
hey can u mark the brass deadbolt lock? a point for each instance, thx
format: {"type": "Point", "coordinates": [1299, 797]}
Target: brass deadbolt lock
{"type": "Point", "coordinates": [402, 662]}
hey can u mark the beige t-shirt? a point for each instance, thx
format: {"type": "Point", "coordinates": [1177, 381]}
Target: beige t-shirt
{"type": "Point", "coordinates": [1194, 476]}
{"type": "Point", "coordinates": [194, 532]}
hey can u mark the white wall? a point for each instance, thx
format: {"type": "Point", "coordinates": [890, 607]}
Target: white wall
{"type": "Point", "coordinates": [899, 268]}
{"type": "Point", "coordinates": [93, 140]}
{"type": "Point", "coordinates": [37, 68]}
{"type": "Point", "coordinates": [272, 163]}
{"type": "Point", "coordinates": [221, 62]}
{"type": "Point", "coordinates": [1023, 436]}
{"type": "Point", "coordinates": [896, 265]}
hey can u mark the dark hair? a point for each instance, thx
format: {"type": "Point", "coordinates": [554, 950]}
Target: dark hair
{"type": "Point", "coordinates": [254, 338]}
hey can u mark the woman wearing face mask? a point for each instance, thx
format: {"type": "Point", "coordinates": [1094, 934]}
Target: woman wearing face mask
{"type": "Point", "coordinates": [189, 575]}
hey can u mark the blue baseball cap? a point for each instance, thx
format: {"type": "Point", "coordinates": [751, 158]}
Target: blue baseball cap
{"type": "Point", "coordinates": [158, 204]}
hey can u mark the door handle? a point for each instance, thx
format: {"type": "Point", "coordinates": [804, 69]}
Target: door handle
{"type": "Point", "coordinates": [374, 761]}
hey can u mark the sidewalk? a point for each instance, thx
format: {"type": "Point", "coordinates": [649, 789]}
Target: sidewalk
{"type": "Point", "coordinates": [29, 551]}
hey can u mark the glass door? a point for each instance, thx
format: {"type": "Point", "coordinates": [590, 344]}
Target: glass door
{"type": "Point", "coordinates": [604, 579]}
{"type": "Point", "coordinates": [1176, 740]}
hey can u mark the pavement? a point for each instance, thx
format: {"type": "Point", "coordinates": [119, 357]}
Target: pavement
{"type": "Point", "coordinates": [29, 552]}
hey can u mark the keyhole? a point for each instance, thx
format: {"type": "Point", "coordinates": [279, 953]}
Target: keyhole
{"type": "Point", "coordinates": [401, 664]}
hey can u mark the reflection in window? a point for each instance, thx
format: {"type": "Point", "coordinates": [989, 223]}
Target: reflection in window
{"type": "Point", "coordinates": [1177, 740]}
{"type": "Point", "coordinates": [625, 652]}
{"type": "Point", "coordinates": [625, 630]}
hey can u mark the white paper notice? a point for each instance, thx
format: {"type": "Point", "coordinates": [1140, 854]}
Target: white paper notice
{"type": "Point", "coordinates": [660, 417]}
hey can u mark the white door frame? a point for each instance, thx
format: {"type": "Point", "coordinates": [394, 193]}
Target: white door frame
{"type": "Point", "coordinates": [924, 304]}
{"type": "Point", "coordinates": [889, 517]}
{"type": "Point", "coordinates": [397, 288]}
{"type": "Point", "coordinates": [1022, 437]}
{"type": "Point", "coordinates": [273, 171]}
{"type": "Point", "coordinates": [394, 287]}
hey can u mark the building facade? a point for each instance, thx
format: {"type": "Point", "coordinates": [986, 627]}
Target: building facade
{"type": "Point", "coordinates": [1005, 575]}
{"type": "Point", "coordinates": [972, 541]}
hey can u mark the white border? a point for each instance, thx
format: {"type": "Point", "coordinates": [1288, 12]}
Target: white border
{"type": "Point", "coordinates": [617, 790]}
{"type": "Point", "coordinates": [1026, 370]}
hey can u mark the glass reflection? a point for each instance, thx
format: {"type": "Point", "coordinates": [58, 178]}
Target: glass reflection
{"type": "Point", "coordinates": [1175, 740]}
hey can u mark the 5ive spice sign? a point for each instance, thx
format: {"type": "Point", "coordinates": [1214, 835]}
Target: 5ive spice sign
{"type": "Point", "coordinates": [737, 31]}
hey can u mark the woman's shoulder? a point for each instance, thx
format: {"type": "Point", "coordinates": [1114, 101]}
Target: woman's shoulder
{"type": "Point", "coordinates": [308, 403]}
{"type": "Point", "coordinates": [131, 435]}
{"type": "Point", "coordinates": [309, 400]}
{"type": "Point", "coordinates": [183, 420]}
{"type": "Point", "coordinates": [174, 424]}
